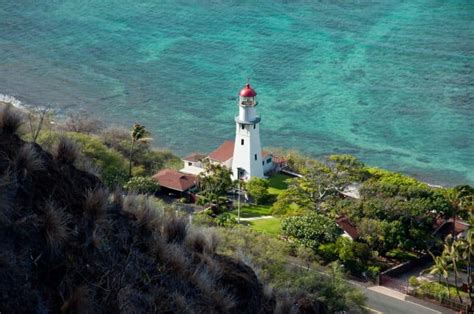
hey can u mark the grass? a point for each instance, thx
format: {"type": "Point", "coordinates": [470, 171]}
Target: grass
{"type": "Point", "coordinates": [402, 255]}
{"type": "Point", "coordinates": [278, 183]}
{"type": "Point", "coordinates": [251, 210]}
{"type": "Point", "coordinates": [270, 226]}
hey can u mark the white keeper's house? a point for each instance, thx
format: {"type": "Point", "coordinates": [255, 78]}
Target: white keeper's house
{"type": "Point", "coordinates": [244, 156]}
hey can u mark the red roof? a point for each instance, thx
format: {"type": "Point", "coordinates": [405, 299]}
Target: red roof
{"type": "Point", "coordinates": [175, 180]}
{"type": "Point", "coordinates": [444, 227]}
{"type": "Point", "coordinates": [194, 157]}
{"type": "Point", "coordinates": [248, 91]}
{"type": "Point", "coordinates": [345, 224]}
{"type": "Point", "coordinates": [226, 152]}
{"type": "Point", "coordinates": [265, 154]}
{"type": "Point", "coordinates": [223, 152]}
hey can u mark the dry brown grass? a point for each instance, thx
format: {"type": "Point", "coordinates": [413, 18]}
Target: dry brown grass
{"type": "Point", "coordinates": [95, 204]}
{"type": "Point", "coordinates": [67, 151]}
{"type": "Point", "coordinates": [10, 119]}
{"type": "Point", "coordinates": [28, 160]}
{"type": "Point", "coordinates": [55, 229]}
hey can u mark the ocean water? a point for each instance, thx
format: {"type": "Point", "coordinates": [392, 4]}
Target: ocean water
{"type": "Point", "coordinates": [391, 82]}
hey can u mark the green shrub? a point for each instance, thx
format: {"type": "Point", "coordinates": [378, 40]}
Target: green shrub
{"type": "Point", "coordinates": [225, 220]}
{"type": "Point", "coordinates": [354, 255]}
{"type": "Point", "coordinates": [373, 272]}
{"type": "Point", "coordinates": [310, 230]}
{"type": "Point", "coordinates": [328, 252]}
{"type": "Point", "coordinates": [435, 290]}
{"type": "Point", "coordinates": [112, 165]}
{"type": "Point", "coordinates": [143, 185]}
{"type": "Point", "coordinates": [258, 189]}
{"type": "Point", "coordinates": [413, 281]}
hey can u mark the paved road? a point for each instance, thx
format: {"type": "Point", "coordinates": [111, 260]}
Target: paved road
{"type": "Point", "coordinates": [387, 301]}
{"type": "Point", "coordinates": [380, 303]}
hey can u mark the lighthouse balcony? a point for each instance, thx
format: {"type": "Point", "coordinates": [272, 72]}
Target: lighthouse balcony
{"type": "Point", "coordinates": [255, 120]}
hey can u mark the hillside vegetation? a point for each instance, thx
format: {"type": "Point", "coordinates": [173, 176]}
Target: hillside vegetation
{"type": "Point", "coordinates": [66, 245]}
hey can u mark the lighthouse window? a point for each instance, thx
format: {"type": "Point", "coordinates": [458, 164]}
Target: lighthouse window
{"type": "Point", "coordinates": [254, 126]}
{"type": "Point", "coordinates": [263, 162]}
{"type": "Point", "coordinates": [255, 156]}
{"type": "Point", "coordinates": [269, 160]}
{"type": "Point", "coordinates": [243, 126]}
{"type": "Point", "coordinates": [242, 141]}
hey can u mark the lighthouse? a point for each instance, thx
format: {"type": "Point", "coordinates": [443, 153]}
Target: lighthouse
{"type": "Point", "coordinates": [247, 158]}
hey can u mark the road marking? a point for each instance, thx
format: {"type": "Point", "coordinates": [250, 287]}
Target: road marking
{"type": "Point", "coordinates": [372, 310]}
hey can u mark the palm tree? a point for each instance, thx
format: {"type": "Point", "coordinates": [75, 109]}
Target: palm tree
{"type": "Point", "coordinates": [465, 249]}
{"type": "Point", "coordinates": [451, 252]}
{"type": "Point", "coordinates": [137, 134]}
{"type": "Point", "coordinates": [440, 268]}
{"type": "Point", "coordinates": [460, 197]}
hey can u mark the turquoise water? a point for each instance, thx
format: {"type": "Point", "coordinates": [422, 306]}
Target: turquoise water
{"type": "Point", "coordinates": [388, 81]}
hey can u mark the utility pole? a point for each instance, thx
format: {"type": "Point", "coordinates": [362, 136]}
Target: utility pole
{"type": "Point", "coordinates": [238, 203]}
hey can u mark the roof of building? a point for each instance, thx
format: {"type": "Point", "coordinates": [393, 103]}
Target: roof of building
{"type": "Point", "coordinates": [444, 227]}
{"type": "Point", "coordinates": [175, 180]}
{"type": "Point", "coordinates": [223, 152]}
{"type": "Point", "coordinates": [266, 154]}
{"type": "Point", "coordinates": [346, 225]}
{"type": "Point", "coordinates": [194, 157]}
{"type": "Point", "coordinates": [226, 152]}
{"type": "Point", "coordinates": [248, 91]}
{"type": "Point", "coordinates": [192, 170]}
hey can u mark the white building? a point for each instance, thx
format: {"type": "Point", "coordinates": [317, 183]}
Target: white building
{"type": "Point", "coordinates": [247, 158]}
{"type": "Point", "coordinates": [244, 156]}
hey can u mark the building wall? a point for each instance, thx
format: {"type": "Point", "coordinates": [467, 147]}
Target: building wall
{"type": "Point", "coordinates": [192, 164]}
{"type": "Point", "coordinates": [267, 166]}
{"type": "Point", "coordinates": [247, 154]}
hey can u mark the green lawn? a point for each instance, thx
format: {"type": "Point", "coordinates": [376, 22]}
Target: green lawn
{"type": "Point", "coordinates": [251, 210]}
{"type": "Point", "coordinates": [278, 183]}
{"type": "Point", "coordinates": [269, 226]}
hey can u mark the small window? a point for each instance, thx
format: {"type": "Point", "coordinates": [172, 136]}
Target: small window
{"type": "Point", "coordinates": [254, 126]}
{"type": "Point", "coordinates": [255, 156]}
{"type": "Point", "coordinates": [269, 160]}
{"type": "Point", "coordinates": [263, 162]}
{"type": "Point", "coordinates": [243, 126]}
{"type": "Point", "coordinates": [190, 163]}
{"type": "Point", "coordinates": [242, 141]}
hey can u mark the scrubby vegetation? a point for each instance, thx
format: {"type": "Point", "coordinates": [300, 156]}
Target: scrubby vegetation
{"type": "Point", "coordinates": [270, 258]}
{"type": "Point", "coordinates": [68, 245]}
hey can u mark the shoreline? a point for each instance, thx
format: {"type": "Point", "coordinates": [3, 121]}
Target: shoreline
{"type": "Point", "coordinates": [17, 103]}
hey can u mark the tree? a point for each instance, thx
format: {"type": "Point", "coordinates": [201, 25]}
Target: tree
{"type": "Point", "coordinates": [349, 167]}
{"type": "Point", "coordinates": [461, 198]}
{"type": "Point", "coordinates": [317, 184]}
{"type": "Point", "coordinates": [440, 268]}
{"type": "Point", "coordinates": [451, 252]}
{"type": "Point", "coordinates": [37, 118]}
{"type": "Point", "coordinates": [258, 189]}
{"type": "Point", "coordinates": [465, 250]}
{"type": "Point", "coordinates": [137, 134]}
{"type": "Point", "coordinates": [354, 255]}
{"type": "Point", "coordinates": [310, 230]}
{"type": "Point", "coordinates": [141, 185]}
{"type": "Point", "coordinates": [214, 182]}
{"type": "Point", "coordinates": [82, 122]}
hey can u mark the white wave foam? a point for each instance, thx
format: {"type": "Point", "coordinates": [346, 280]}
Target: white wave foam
{"type": "Point", "coordinates": [12, 100]}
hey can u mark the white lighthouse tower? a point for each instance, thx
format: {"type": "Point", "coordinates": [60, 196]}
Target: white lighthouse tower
{"type": "Point", "coordinates": [247, 160]}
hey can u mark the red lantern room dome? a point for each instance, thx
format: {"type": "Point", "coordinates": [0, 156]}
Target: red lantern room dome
{"type": "Point", "coordinates": [248, 91]}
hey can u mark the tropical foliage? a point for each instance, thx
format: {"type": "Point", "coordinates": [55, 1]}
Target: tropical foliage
{"type": "Point", "coordinates": [258, 189]}
{"type": "Point", "coordinates": [310, 230]}
{"type": "Point", "coordinates": [142, 185]}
